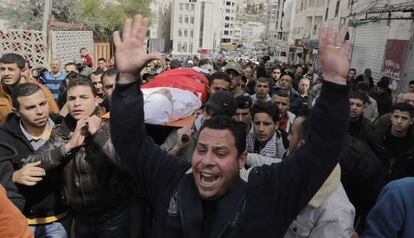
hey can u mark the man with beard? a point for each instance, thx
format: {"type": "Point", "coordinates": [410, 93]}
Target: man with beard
{"type": "Point", "coordinates": [211, 200]}
{"type": "Point", "coordinates": [243, 114]}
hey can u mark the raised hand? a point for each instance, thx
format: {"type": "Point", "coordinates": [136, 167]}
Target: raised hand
{"type": "Point", "coordinates": [130, 52]}
{"type": "Point", "coordinates": [78, 136]}
{"type": "Point", "coordinates": [333, 55]}
{"type": "Point", "coordinates": [93, 123]}
{"type": "Point", "coordinates": [29, 175]}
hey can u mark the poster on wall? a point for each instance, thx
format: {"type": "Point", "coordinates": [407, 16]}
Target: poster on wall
{"type": "Point", "coordinates": [395, 58]}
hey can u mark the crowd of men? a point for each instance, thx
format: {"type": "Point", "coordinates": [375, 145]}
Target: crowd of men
{"type": "Point", "coordinates": [277, 150]}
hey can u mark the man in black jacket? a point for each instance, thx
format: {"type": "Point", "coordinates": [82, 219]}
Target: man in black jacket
{"type": "Point", "coordinates": [394, 144]}
{"type": "Point", "coordinates": [95, 185]}
{"type": "Point", "coordinates": [24, 132]}
{"type": "Point", "coordinates": [211, 200]}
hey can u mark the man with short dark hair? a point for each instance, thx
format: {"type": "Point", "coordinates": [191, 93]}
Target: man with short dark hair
{"type": "Point", "coordinates": [371, 108]}
{"type": "Point", "coordinates": [394, 145]}
{"type": "Point", "coordinates": [286, 83]}
{"type": "Point", "coordinates": [71, 67]}
{"type": "Point", "coordinates": [262, 89]}
{"type": "Point", "coordinates": [219, 103]}
{"type": "Point", "coordinates": [266, 139]}
{"type": "Point", "coordinates": [243, 114]}
{"type": "Point", "coordinates": [280, 99]}
{"type": "Point", "coordinates": [366, 77]}
{"type": "Point", "coordinates": [359, 126]}
{"type": "Point", "coordinates": [411, 86]}
{"type": "Point", "coordinates": [96, 78]}
{"type": "Point", "coordinates": [219, 81]}
{"type": "Point", "coordinates": [108, 80]}
{"type": "Point", "coordinates": [11, 69]}
{"type": "Point", "coordinates": [101, 64]}
{"type": "Point", "coordinates": [24, 132]}
{"type": "Point", "coordinates": [211, 200]}
{"type": "Point", "coordinates": [175, 64]}
{"type": "Point", "coordinates": [95, 184]}
{"type": "Point", "coordinates": [352, 78]}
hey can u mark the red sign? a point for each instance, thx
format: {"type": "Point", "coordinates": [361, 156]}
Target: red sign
{"type": "Point", "coordinates": [395, 57]}
{"type": "Point", "coordinates": [204, 52]}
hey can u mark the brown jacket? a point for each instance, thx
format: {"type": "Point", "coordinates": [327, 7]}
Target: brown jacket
{"type": "Point", "coordinates": [12, 223]}
{"type": "Point", "coordinates": [6, 103]}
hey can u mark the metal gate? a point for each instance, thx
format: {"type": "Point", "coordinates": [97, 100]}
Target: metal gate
{"type": "Point", "coordinates": [368, 48]}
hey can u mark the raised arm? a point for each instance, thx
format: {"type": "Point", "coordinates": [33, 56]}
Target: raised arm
{"type": "Point", "coordinates": [149, 165]}
{"type": "Point", "coordinates": [298, 178]}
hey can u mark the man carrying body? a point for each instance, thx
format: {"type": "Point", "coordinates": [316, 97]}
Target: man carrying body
{"type": "Point", "coordinates": [219, 81]}
{"type": "Point", "coordinates": [212, 201]}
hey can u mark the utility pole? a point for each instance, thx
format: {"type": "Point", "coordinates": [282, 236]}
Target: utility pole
{"type": "Point", "coordinates": [46, 13]}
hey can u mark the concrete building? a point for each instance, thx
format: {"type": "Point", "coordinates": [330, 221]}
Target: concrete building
{"type": "Point", "coordinates": [196, 27]}
{"type": "Point", "coordinates": [308, 16]}
{"type": "Point", "coordinates": [229, 19]}
{"type": "Point", "coordinates": [251, 33]}
{"type": "Point", "coordinates": [160, 29]}
{"type": "Point", "coordinates": [267, 13]}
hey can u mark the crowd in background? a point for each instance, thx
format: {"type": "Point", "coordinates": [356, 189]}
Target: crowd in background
{"type": "Point", "coordinates": [58, 164]}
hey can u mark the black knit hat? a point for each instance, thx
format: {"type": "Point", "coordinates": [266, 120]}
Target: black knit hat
{"type": "Point", "coordinates": [244, 102]}
{"type": "Point", "coordinates": [221, 103]}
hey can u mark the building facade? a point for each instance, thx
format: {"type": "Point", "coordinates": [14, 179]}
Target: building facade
{"type": "Point", "coordinates": [160, 29]}
{"type": "Point", "coordinates": [196, 27]}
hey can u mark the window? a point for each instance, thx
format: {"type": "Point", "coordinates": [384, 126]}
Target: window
{"type": "Point", "coordinates": [228, 3]}
{"type": "Point", "coordinates": [227, 18]}
{"type": "Point", "coordinates": [180, 19]}
{"type": "Point", "coordinates": [226, 25]}
{"type": "Point", "coordinates": [192, 20]}
{"type": "Point", "coordinates": [187, 6]}
{"type": "Point", "coordinates": [181, 6]}
{"type": "Point", "coordinates": [337, 8]}
{"type": "Point", "coordinates": [227, 10]}
{"type": "Point", "coordinates": [191, 33]}
{"type": "Point", "coordinates": [226, 33]}
{"type": "Point", "coordinates": [190, 47]}
{"type": "Point", "coordinates": [186, 19]}
{"type": "Point", "coordinates": [179, 32]}
{"type": "Point", "coordinates": [185, 33]}
{"type": "Point", "coordinates": [192, 7]}
{"type": "Point", "coordinates": [185, 47]}
{"type": "Point", "coordinates": [179, 46]}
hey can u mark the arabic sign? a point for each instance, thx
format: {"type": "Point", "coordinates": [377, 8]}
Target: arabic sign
{"type": "Point", "coordinates": [395, 58]}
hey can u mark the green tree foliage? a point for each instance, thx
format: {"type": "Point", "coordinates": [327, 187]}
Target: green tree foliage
{"type": "Point", "coordinates": [96, 16]}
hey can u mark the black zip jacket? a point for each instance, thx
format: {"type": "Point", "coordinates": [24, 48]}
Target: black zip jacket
{"type": "Point", "coordinates": [262, 207]}
{"type": "Point", "coordinates": [45, 198]}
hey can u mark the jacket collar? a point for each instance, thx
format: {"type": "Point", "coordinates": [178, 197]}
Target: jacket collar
{"type": "Point", "coordinates": [191, 207]}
